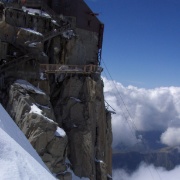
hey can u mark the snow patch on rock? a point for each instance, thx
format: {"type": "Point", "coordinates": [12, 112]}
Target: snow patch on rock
{"type": "Point", "coordinates": [26, 85]}
{"type": "Point", "coordinates": [18, 159]}
{"type": "Point", "coordinates": [60, 132]}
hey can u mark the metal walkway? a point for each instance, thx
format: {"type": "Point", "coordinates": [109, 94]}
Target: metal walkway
{"type": "Point", "coordinates": [70, 69]}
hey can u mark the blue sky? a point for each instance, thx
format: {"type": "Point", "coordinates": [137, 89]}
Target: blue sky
{"type": "Point", "coordinates": [141, 44]}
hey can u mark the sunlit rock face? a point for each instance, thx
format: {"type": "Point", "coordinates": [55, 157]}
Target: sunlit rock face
{"type": "Point", "coordinates": [78, 103]}
{"type": "Point", "coordinates": [32, 111]}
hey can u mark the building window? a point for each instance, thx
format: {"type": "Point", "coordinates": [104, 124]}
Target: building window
{"type": "Point", "coordinates": [89, 23]}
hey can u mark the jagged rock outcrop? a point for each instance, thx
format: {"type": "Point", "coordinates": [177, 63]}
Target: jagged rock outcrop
{"type": "Point", "coordinates": [79, 108]}
{"type": "Point", "coordinates": [33, 113]}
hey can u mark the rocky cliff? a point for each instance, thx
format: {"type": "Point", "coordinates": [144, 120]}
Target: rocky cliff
{"type": "Point", "coordinates": [79, 108]}
{"type": "Point", "coordinates": [32, 111]}
{"type": "Point", "coordinates": [51, 86]}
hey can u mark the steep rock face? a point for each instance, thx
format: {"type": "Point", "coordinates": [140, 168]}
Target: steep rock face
{"type": "Point", "coordinates": [32, 112]}
{"type": "Point", "coordinates": [79, 108]}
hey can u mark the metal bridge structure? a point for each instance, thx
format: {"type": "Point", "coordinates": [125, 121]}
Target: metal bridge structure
{"type": "Point", "coordinates": [70, 69]}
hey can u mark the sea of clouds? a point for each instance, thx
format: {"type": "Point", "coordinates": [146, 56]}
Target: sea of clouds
{"type": "Point", "coordinates": [148, 172]}
{"type": "Point", "coordinates": [143, 110]}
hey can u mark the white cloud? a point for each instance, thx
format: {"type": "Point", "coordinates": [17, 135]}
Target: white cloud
{"type": "Point", "coordinates": [171, 137]}
{"type": "Point", "coordinates": [149, 109]}
{"type": "Point", "coordinates": [148, 172]}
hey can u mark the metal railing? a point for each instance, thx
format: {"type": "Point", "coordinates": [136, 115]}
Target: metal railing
{"type": "Point", "coordinates": [70, 69]}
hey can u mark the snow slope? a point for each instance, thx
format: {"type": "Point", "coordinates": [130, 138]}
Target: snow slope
{"type": "Point", "coordinates": [18, 159]}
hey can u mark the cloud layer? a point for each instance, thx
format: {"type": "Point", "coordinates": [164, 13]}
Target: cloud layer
{"type": "Point", "coordinates": [143, 110]}
{"type": "Point", "coordinates": [171, 137]}
{"type": "Point", "coordinates": [148, 172]}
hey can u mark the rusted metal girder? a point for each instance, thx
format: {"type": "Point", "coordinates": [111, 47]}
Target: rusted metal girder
{"type": "Point", "coordinates": [70, 69]}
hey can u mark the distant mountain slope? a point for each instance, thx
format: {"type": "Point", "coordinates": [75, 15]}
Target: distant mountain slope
{"type": "Point", "coordinates": [130, 161]}
{"type": "Point", "coordinates": [150, 150]}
